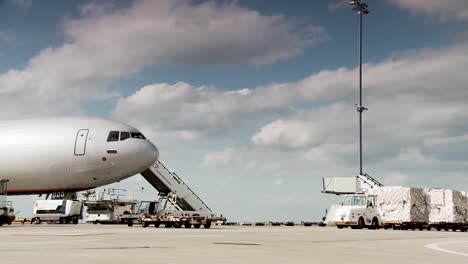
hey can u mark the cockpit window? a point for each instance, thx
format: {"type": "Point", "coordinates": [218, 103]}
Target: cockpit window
{"type": "Point", "coordinates": [113, 136]}
{"type": "Point", "coordinates": [124, 135]}
{"type": "Point", "coordinates": [137, 135]}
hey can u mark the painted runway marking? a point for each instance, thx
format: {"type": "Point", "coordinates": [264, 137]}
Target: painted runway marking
{"type": "Point", "coordinates": [436, 246]}
{"type": "Point", "coordinates": [66, 235]}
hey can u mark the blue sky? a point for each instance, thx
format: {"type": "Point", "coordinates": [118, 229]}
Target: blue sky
{"type": "Point", "coordinates": [253, 101]}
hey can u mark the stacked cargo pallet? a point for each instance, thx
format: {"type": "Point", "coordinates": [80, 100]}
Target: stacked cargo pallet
{"type": "Point", "coordinates": [411, 207]}
{"type": "Point", "coordinates": [447, 206]}
{"type": "Point", "coordinates": [398, 204]}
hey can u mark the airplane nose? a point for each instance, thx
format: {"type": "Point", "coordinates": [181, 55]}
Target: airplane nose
{"type": "Point", "coordinates": [153, 153]}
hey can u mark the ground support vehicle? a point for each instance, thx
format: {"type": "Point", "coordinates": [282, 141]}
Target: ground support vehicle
{"type": "Point", "coordinates": [113, 211]}
{"type": "Point", "coordinates": [357, 212]}
{"type": "Point", "coordinates": [177, 219]}
{"type": "Point", "coordinates": [7, 215]}
{"type": "Point", "coordinates": [158, 213]}
{"type": "Point", "coordinates": [57, 211]}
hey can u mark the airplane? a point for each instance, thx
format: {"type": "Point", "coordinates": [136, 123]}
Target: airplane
{"type": "Point", "coordinates": [70, 154]}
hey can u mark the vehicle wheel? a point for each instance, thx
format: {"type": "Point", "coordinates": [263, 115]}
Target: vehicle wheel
{"type": "Point", "coordinates": [428, 228]}
{"type": "Point", "coordinates": [188, 225]}
{"type": "Point", "coordinates": [1, 223]}
{"type": "Point", "coordinates": [168, 225]}
{"type": "Point", "coordinates": [157, 224]}
{"type": "Point", "coordinates": [177, 225]}
{"type": "Point", "coordinates": [130, 222]}
{"type": "Point", "coordinates": [454, 229]}
{"type": "Point", "coordinates": [145, 224]}
{"type": "Point", "coordinates": [438, 228]}
{"type": "Point", "coordinates": [375, 224]}
{"type": "Point", "coordinates": [197, 225]}
{"type": "Point", "coordinates": [340, 226]}
{"type": "Point", "coordinates": [446, 228]}
{"type": "Point", "coordinates": [463, 229]}
{"type": "Point", "coordinates": [361, 223]}
{"type": "Point", "coordinates": [207, 225]}
{"type": "Point", "coordinates": [75, 221]}
{"type": "Point", "coordinates": [37, 221]}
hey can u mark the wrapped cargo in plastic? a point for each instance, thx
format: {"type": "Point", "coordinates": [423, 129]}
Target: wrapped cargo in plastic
{"type": "Point", "coordinates": [447, 206]}
{"type": "Point", "coordinates": [401, 204]}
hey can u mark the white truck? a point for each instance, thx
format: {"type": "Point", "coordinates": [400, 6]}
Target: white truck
{"type": "Point", "coordinates": [109, 211]}
{"type": "Point", "coordinates": [357, 211]}
{"type": "Point", "coordinates": [62, 211]}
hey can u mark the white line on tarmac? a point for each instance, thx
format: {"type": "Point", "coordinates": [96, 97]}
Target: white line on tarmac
{"type": "Point", "coordinates": [435, 246]}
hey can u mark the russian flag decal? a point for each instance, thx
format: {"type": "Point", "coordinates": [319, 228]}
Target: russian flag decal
{"type": "Point", "coordinates": [111, 151]}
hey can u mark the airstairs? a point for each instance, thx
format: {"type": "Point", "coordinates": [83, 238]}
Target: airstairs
{"type": "Point", "coordinates": [349, 185]}
{"type": "Point", "coordinates": [171, 186]}
{"type": "Point", "coordinates": [371, 182]}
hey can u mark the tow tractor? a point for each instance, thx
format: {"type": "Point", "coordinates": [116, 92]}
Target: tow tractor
{"type": "Point", "coordinates": [358, 211]}
{"type": "Point", "coordinates": [6, 210]}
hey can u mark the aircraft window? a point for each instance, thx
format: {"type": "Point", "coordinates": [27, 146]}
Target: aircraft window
{"type": "Point", "coordinates": [113, 136]}
{"type": "Point", "coordinates": [137, 135]}
{"type": "Point", "coordinates": [124, 136]}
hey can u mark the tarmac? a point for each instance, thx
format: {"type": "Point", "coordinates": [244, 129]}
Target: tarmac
{"type": "Point", "coordinates": [87, 243]}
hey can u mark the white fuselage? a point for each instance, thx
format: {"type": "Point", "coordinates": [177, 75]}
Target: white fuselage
{"type": "Point", "coordinates": [69, 154]}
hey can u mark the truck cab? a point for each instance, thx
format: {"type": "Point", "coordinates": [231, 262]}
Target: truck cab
{"type": "Point", "coordinates": [358, 211]}
{"type": "Point", "coordinates": [6, 210]}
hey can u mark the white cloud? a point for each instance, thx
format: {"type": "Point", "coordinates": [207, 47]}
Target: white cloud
{"type": "Point", "coordinates": [291, 134]}
{"type": "Point", "coordinates": [395, 178]}
{"type": "Point", "coordinates": [330, 152]}
{"type": "Point", "coordinates": [106, 44]}
{"type": "Point", "coordinates": [413, 156]}
{"type": "Point", "coordinates": [413, 98]}
{"type": "Point", "coordinates": [223, 157]}
{"type": "Point", "coordinates": [435, 141]}
{"type": "Point", "coordinates": [447, 10]}
{"type": "Point", "coordinates": [305, 129]}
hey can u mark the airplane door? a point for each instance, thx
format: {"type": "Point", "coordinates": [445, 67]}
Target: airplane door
{"type": "Point", "coordinates": [80, 142]}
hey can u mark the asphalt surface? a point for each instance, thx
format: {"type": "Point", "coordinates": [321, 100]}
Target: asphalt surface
{"type": "Point", "coordinates": [86, 243]}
